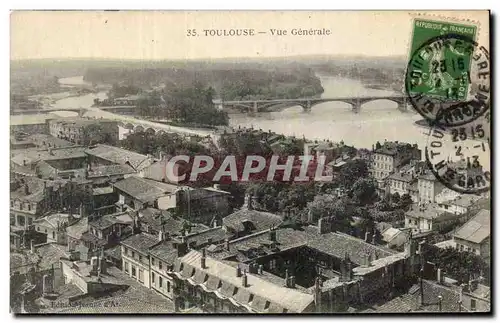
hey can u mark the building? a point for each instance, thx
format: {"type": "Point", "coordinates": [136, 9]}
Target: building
{"type": "Point", "coordinates": [216, 287]}
{"type": "Point", "coordinates": [82, 131]}
{"type": "Point", "coordinates": [135, 256]}
{"type": "Point", "coordinates": [390, 156]}
{"type": "Point", "coordinates": [462, 204]}
{"type": "Point", "coordinates": [247, 220]}
{"type": "Point", "coordinates": [162, 258]}
{"type": "Point", "coordinates": [138, 193]}
{"type": "Point", "coordinates": [428, 187]}
{"type": "Point", "coordinates": [102, 155]}
{"type": "Point", "coordinates": [474, 235]}
{"type": "Point", "coordinates": [54, 227]}
{"type": "Point", "coordinates": [53, 163]}
{"type": "Point", "coordinates": [430, 217]}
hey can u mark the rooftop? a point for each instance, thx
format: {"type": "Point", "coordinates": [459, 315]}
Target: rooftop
{"type": "Point", "coordinates": [259, 296]}
{"type": "Point", "coordinates": [141, 242]}
{"type": "Point", "coordinates": [144, 190]}
{"type": "Point", "coordinates": [33, 155]}
{"type": "Point", "coordinates": [392, 148]}
{"type": "Point", "coordinates": [165, 251]}
{"type": "Point", "coordinates": [54, 220]}
{"type": "Point", "coordinates": [76, 230]}
{"type": "Point", "coordinates": [428, 211]}
{"type": "Point", "coordinates": [119, 156]}
{"type": "Point", "coordinates": [110, 170]}
{"type": "Point", "coordinates": [477, 229]}
{"type": "Point", "coordinates": [251, 220]}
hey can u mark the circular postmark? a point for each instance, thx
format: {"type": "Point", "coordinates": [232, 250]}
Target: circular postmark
{"type": "Point", "coordinates": [448, 80]}
{"type": "Point", "coordinates": [459, 157]}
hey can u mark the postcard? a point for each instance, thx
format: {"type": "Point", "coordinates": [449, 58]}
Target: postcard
{"type": "Point", "coordinates": [250, 162]}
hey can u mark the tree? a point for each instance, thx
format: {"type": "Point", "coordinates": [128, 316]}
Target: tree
{"type": "Point", "coordinates": [338, 211]}
{"type": "Point", "coordinates": [395, 198]}
{"type": "Point", "coordinates": [364, 191]}
{"type": "Point", "coordinates": [352, 171]}
{"type": "Point", "coordinates": [405, 202]}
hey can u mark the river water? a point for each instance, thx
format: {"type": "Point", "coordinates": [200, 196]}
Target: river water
{"type": "Point", "coordinates": [377, 120]}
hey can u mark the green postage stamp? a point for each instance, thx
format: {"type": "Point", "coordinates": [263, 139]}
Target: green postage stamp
{"type": "Point", "coordinates": [440, 58]}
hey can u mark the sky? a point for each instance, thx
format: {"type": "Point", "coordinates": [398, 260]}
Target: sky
{"type": "Point", "coordinates": [154, 35]}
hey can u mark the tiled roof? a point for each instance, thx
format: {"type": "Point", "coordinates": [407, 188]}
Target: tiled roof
{"type": "Point", "coordinates": [335, 244]}
{"type": "Point", "coordinates": [429, 211]}
{"type": "Point", "coordinates": [464, 200]}
{"type": "Point", "coordinates": [110, 170]}
{"type": "Point", "coordinates": [114, 252]}
{"type": "Point", "coordinates": [165, 251]}
{"type": "Point", "coordinates": [477, 229]}
{"type": "Point", "coordinates": [119, 156]}
{"type": "Point", "coordinates": [338, 244]}
{"type": "Point", "coordinates": [257, 220]}
{"type": "Point", "coordinates": [50, 254]}
{"type": "Point", "coordinates": [431, 292]}
{"type": "Point", "coordinates": [141, 242]}
{"type": "Point", "coordinates": [35, 190]}
{"type": "Point", "coordinates": [259, 296]}
{"type": "Point", "coordinates": [211, 235]}
{"type": "Point", "coordinates": [145, 190]}
{"type": "Point", "coordinates": [33, 155]}
{"type": "Point", "coordinates": [402, 176]}
{"type": "Point", "coordinates": [54, 220]}
{"type": "Point", "coordinates": [44, 140]}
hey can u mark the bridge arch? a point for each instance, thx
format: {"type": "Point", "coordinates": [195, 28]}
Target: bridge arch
{"type": "Point", "coordinates": [139, 128]}
{"type": "Point", "coordinates": [128, 126]}
{"type": "Point", "coordinates": [150, 131]}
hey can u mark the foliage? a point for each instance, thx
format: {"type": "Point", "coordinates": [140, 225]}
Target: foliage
{"type": "Point", "coordinates": [364, 191]}
{"type": "Point", "coordinates": [352, 171]}
{"type": "Point", "coordinates": [459, 265]}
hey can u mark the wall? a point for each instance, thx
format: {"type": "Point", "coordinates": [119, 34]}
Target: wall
{"type": "Point", "coordinates": [71, 276]}
{"type": "Point", "coordinates": [155, 269]}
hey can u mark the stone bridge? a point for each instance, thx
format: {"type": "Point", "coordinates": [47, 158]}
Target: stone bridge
{"type": "Point", "coordinates": [255, 106]}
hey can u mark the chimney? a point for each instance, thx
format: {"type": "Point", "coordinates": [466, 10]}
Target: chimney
{"type": "Point", "coordinates": [238, 271]}
{"type": "Point", "coordinates": [24, 162]}
{"type": "Point", "coordinates": [101, 268]}
{"type": "Point", "coordinates": [47, 285]}
{"type": "Point", "coordinates": [94, 264]}
{"type": "Point", "coordinates": [226, 242]}
{"type": "Point", "coordinates": [32, 247]}
{"type": "Point", "coordinates": [272, 234]}
{"type": "Point", "coordinates": [261, 270]}
{"type": "Point", "coordinates": [440, 276]}
{"type": "Point", "coordinates": [215, 223]}
{"type": "Point", "coordinates": [292, 282]}
{"type": "Point", "coordinates": [244, 279]}
{"type": "Point", "coordinates": [181, 248]}
{"type": "Point", "coordinates": [161, 236]}
{"type": "Point", "coordinates": [367, 236]}
{"type": "Point", "coordinates": [287, 278]}
{"type": "Point", "coordinates": [203, 258]}
{"type": "Point", "coordinates": [440, 302]}
{"type": "Point", "coordinates": [473, 285]}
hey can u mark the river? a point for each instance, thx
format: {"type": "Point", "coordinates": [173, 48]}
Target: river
{"type": "Point", "coordinates": [377, 120]}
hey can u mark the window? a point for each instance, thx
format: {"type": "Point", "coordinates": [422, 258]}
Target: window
{"type": "Point", "coordinates": [37, 228]}
{"type": "Point", "coordinates": [125, 265]}
{"type": "Point", "coordinates": [29, 207]}
{"type": "Point", "coordinates": [160, 281]}
{"type": "Point", "coordinates": [153, 261]}
{"type": "Point", "coordinates": [473, 304]}
{"type": "Point", "coordinates": [153, 278]}
{"type": "Point", "coordinates": [133, 271]}
{"type": "Point", "coordinates": [141, 275]}
{"type": "Point", "coordinates": [133, 254]}
{"type": "Point", "coordinates": [168, 286]}
{"type": "Point", "coordinates": [30, 221]}
{"type": "Point", "coordinates": [160, 265]}
{"type": "Point", "coordinates": [53, 235]}
{"type": "Point", "coordinates": [140, 258]}
{"type": "Point", "coordinates": [125, 250]}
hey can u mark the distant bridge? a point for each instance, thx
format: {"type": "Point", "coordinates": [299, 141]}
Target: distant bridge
{"type": "Point", "coordinates": [255, 106]}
